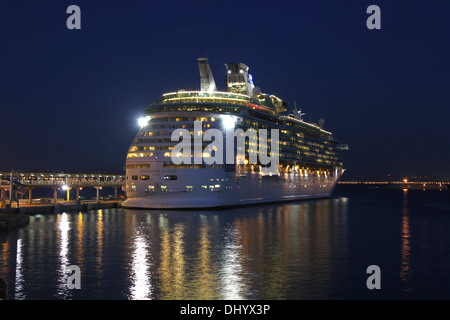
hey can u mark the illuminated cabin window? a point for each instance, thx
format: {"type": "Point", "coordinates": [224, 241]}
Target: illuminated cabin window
{"type": "Point", "coordinates": [145, 134]}
{"type": "Point", "coordinates": [151, 189]}
{"type": "Point", "coordinates": [189, 188]}
{"type": "Point", "coordinates": [133, 188]}
{"type": "Point", "coordinates": [164, 188]}
{"type": "Point", "coordinates": [145, 177]}
{"type": "Point", "coordinates": [184, 166]}
{"type": "Point", "coordinates": [138, 166]}
{"type": "Point", "coordinates": [140, 155]}
{"type": "Point", "coordinates": [170, 177]}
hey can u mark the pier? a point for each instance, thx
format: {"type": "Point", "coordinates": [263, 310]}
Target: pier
{"type": "Point", "coordinates": [16, 194]}
{"type": "Point", "coordinates": [15, 185]}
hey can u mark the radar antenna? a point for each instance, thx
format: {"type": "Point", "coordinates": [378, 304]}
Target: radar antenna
{"type": "Point", "coordinates": [298, 113]}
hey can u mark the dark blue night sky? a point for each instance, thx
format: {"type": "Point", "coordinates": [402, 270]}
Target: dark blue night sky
{"type": "Point", "coordinates": [69, 99]}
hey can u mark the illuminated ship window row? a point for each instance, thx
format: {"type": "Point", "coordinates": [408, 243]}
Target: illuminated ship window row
{"type": "Point", "coordinates": [182, 119]}
{"type": "Point", "coordinates": [173, 126]}
{"type": "Point", "coordinates": [192, 108]}
{"type": "Point", "coordinates": [206, 100]}
{"type": "Point", "coordinates": [290, 153]}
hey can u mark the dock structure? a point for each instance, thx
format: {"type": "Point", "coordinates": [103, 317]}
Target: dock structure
{"type": "Point", "coordinates": [13, 220]}
{"type": "Point", "coordinates": [423, 184]}
{"type": "Point", "coordinates": [15, 184]}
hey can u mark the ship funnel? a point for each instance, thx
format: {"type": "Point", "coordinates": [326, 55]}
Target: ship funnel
{"type": "Point", "coordinates": [207, 82]}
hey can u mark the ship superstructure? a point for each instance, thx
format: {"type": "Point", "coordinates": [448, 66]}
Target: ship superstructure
{"type": "Point", "coordinates": [309, 162]}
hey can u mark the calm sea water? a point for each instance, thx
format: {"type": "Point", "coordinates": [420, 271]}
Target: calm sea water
{"type": "Point", "coordinates": [305, 250]}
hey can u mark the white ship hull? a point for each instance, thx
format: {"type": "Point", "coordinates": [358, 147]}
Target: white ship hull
{"type": "Point", "coordinates": [212, 188]}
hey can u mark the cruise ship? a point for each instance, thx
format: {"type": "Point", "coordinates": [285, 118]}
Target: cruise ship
{"type": "Point", "coordinates": [163, 171]}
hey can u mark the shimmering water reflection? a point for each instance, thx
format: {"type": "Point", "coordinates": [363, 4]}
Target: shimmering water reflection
{"type": "Point", "coordinates": [306, 250]}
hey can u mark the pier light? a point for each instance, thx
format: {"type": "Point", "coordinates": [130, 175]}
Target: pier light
{"type": "Point", "coordinates": [64, 187]}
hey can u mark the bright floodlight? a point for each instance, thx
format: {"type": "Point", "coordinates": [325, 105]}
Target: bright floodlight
{"type": "Point", "coordinates": [228, 121]}
{"type": "Point", "coordinates": [64, 187]}
{"type": "Point", "coordinates": [143, 121]}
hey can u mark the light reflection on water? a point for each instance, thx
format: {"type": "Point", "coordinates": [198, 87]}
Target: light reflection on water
{"type": "Point", "coordinates": [63, 238]}
{"type": "Point", "coordinates": [405, 270]}
{"type": "Point", "coordinates": [231, 268]}
{"type": "Point", "coordinates": [141, 287]}
{"type": "Point", "coordinates": [305, 250]}
{"type": "Point", "coordinates": [19, 276]}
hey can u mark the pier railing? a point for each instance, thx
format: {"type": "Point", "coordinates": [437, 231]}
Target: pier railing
{"type": "Point", "coordinates": [68, 183]}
